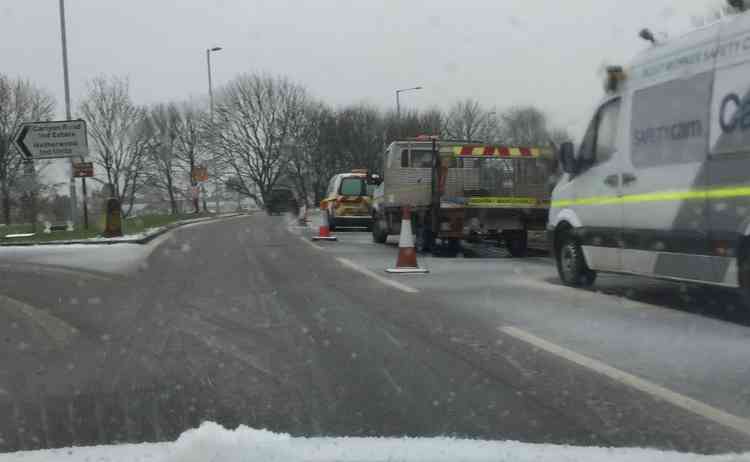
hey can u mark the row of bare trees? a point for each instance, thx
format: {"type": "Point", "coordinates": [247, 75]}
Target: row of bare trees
{"type": "Point", "coordinates": [268, 130]}
{"type": "Point", "coordinates": [265, 131]}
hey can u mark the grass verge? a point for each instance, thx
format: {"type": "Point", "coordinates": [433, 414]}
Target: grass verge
{"type": "Point", "coordinates": [130, 226]}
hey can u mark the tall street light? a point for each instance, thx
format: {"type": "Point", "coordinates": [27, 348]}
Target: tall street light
{"type": "Point", "coordinates": [398, 102]}
{"type": "Point", "coordinates": [211, 114]}
{"type": "Point", "coordinates": [210, 86]}
{"type": "Point", "coordinates": [66, 82]}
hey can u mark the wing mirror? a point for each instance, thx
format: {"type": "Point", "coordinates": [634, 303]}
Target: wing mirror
{"type": "Point", "coordinates": [374, 179]}
{"type": "Point", "coordinates": [566, 157]}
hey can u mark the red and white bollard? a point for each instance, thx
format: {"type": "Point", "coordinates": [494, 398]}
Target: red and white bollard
{"type": "Point", "coordinates": [407, 254]}
{"type": "Point", "coordinates": [324, 232]}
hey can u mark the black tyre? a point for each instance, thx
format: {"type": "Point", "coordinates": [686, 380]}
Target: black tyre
{"type": "Point", "coordinates": [379, 233]}
{"type": "Point", "coordinates": [424, 241]}
{"type": "Point", "coordinates": [744, 274]}
{"type": "Point", "coordinates": [331, 222]}
{"type": "Point", "coordinates": [517, 242]}
{"type": "Point", "coordinates": [571, 264]}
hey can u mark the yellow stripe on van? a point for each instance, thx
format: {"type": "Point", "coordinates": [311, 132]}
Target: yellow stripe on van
{"type": "Point", "coordinates": [658, 196]}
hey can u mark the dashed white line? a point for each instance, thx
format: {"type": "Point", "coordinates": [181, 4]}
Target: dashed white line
{"type": "Point", "coordinates": [681, 401]}
{"type": "Point", "coordinates": [393, 383]}
{"type": "Point", "coordinates": [392, 338]}
{"type": "Point", "coordinates": [311, 243]}
{"type": "Point", "coordinates": [383, 280]}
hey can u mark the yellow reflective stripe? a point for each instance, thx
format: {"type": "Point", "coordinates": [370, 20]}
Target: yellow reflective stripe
{"type": "Point", "coordinates": [658, 196]}
{"type": "Point", "coordinates": [722, 193]}
{"type": "Point", "coordinates": [502, 201]}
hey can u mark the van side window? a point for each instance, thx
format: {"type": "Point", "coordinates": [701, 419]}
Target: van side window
{"type": "Point", "coordinates": [404, 158]}
{"type": "Point", "coordinates": [600, 141]}
{"type": "Point", "coordinates": [670, 122]}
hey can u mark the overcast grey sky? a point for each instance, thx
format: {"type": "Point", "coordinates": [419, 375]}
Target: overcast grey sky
{"type": "Point", "coordinates": [502, 52]}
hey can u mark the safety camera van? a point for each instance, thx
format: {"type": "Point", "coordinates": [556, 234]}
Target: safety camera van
{"type": "Point", "coordinates": [659, 185]}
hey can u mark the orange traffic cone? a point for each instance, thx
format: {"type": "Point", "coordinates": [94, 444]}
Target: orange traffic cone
{"type": "Point", "coordinates": [324, 234]}
{"type": "Point", "coordinates": [407, 254]}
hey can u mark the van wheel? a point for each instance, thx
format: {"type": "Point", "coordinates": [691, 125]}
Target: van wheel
{"type": "Point", "coordinates": [517, 242]}
{"type": "Point", "coordinates": [379, 233]}
{"type": "Point", "coordinates": [571, 265]}
{"type": "Point", "coordinates": [331, 222]}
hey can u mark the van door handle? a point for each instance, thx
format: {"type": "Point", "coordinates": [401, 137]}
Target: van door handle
{"type": "Point", "coordinates": [628, 178]}
{"type": "Point", "coordinates": [611, 181]}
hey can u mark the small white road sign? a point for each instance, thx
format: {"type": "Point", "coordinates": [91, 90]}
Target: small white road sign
{"type": "Point", "coordinates": [52, 140]}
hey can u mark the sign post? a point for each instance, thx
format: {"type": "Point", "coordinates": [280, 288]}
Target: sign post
{"type": "Point", "coordinates": [199, 175]}
{"type": "Point", "coordinates": [84, 170]}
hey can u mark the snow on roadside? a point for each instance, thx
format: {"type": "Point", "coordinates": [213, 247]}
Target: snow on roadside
{"type": "Point", "coordinates": [211, 442]}
{"type": "Point", "coordinates": [103, 258]}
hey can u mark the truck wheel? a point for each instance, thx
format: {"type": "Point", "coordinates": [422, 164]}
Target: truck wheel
{"type": "Point", "coordinates": [454, 247]}
{"type": "Point", "coordinates": [424, 241]}
{"type": "Point", "coordinates": [571, 265]}
{"type": "Point", "coordinates": [379, 233]}
{"type": "Point", "coordinates": [517, 242]}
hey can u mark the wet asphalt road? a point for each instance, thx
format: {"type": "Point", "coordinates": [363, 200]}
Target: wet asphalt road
{"type": "Point", "coordinates": [243, 322]}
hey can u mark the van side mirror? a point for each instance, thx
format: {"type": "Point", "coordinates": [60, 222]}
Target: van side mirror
{"type": "Point", "coordinates": [566, 156]}
{"type": "Point", "coordinates": [374, 179]}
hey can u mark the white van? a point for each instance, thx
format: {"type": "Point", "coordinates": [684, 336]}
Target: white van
{"type": "Point", "coordinates": [660, 184]}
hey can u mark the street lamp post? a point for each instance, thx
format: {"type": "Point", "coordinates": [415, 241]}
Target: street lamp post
{"type": "Point", "coordinates": [210, 86]}
{"type": "Point", "coordinates": [398, 102]}
{"type": "Point", "coordinates": [211, 114]}
{"type": "Point", "coordinates": [66, 83]}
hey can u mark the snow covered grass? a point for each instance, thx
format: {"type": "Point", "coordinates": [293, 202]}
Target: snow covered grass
{"type": "Point", "coordinates": [133, 228]}
{"type": "Point", "coordinates": [211, 442]}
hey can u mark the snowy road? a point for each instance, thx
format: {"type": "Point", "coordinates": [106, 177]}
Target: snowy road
{"type": "Point", "coordinates": [246, 322]}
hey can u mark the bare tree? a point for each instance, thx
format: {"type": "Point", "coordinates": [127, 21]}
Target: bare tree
{"type": "Point", "coordinates": [20, 101]}
{"type": "Point", "coordinates": [467, 120]}
{"type": "Point", "coordinates": [120, 133]}
{"type": "Point", "coordinates": [524, 126]}
{"type": "Point", "coordinates": [164, 124]}
{"type": "Point", "coordinates": [410, 124]}
{"type": "Point", "coordinates": [359, 136]}
{"type": "Point", "coordinates": [256, 120]}
{"type": "Point", "coordinates": [192, 142]}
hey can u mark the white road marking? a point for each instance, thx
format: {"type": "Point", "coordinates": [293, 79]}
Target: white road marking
{"type": "Point", "coordinates": [392, 338]}
{"type": "Point", "coordinates": [384, 280]}
{"type": "Point", "coordinates": [393, 383]}
{"type": "Point", "coordinates": [311, 243]}
{"type": "Point", "coordinates": [676, 399]}
{"type": "Point", "coordinates": [56, 329]}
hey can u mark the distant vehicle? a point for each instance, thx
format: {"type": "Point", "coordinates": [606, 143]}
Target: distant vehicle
{"type": "Point", "coordinates": [464, 191]}
{"type": "Point", "coordinates": [348, 200]}
{"type": "Point", "coordinates": [282, 200]}
{"type": "Point", "coordinates": [660, 185]}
